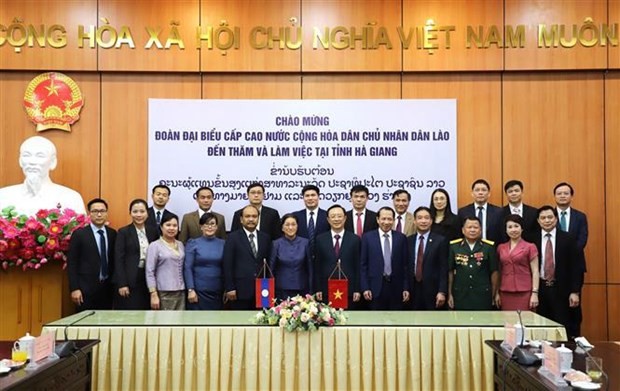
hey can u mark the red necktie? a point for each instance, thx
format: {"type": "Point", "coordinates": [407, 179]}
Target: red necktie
{"type": "Point", "coordinates": [360, 229]}
{"type": "Point", "coordinates": [419, 260]}
{"type": "Point", "coordinates": [337, 246]}
{"type": "Point", "coordinates": [549, 262]}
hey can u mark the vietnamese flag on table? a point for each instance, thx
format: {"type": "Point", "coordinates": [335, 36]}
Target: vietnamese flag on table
{"type": "Point", "coordinates": [265, 292]}
{"type": "Point", "coordinates": [338, 291]}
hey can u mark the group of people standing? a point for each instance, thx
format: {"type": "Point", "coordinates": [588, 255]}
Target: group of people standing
{"type": "Point", "coordinates": [515, 257]}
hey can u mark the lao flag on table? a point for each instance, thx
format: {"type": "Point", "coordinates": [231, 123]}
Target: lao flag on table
{"type": "Point", "coordinates": [338, 291]}
{"type": "Point", "coordinates": [265, 292]}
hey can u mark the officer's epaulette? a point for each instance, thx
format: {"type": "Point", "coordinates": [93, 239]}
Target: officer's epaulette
{"type": "Point", "coordinates": [455, 241]}
{"type": "Point", "coordinates": [489, 242]}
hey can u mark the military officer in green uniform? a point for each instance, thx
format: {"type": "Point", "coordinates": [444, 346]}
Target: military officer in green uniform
{"type": "Point", "coordinates": [472, 276]}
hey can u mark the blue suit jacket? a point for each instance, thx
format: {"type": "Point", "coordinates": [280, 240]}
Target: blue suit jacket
{"type": "Point", "coordinates": [494, 223]}
{"type": "Point", "coordinates": [434, 266]}
{"type": "Point", "coordinates": [240, 265]}
{"type": "Point", "coordinates": [320, 223]}
{"type": "Point", "coordinates": [371, 271]}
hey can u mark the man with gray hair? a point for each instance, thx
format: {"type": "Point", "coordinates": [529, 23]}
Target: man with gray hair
{"type": "Point", "coordinates": [37, 157]}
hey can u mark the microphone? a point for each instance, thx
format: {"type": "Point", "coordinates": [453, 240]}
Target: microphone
{"type": "Point", "coordinates": [585, 350]}
{"type": "Point", "coordinates": [521, 355]}
{"type": "Point", "coordinates": [67, 347]}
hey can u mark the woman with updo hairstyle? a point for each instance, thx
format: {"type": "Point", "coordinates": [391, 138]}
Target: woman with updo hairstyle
{"type": "Point", "coordinates": [132, 242]}
{"type": "Point", "coordinates": [445, 222]}
{"type": "Point", "coordinates": [290, 261]}
{"type": "Point", "coordinates": [204, 278]}
{"type": "Point", "coordinates": [519, 274]}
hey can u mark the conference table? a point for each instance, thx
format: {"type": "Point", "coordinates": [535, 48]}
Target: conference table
{"type": "Point", "coordinates": [223, 350]}
{"type": "Point", "coordinates": [68, 373]}
{"type": "Point", "coordinates": [511, 376]}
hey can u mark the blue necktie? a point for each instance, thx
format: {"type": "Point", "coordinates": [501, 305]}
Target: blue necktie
{"type": "Point", "coordinates": [103, 254]}
{"type": "Point", "coordinates": [387, 255]}
{"type": "Point", "coordinates": [563, 221]}
{"type": "Point", "coordinates": [158, 218]}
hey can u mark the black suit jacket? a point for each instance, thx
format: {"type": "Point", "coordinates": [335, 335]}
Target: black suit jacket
{"type": "Point", "coordinates": [326, 260]}
{"type": "Point", "coordinates": [127, 254]}
{"type": "Point", "coordinates": [84, 261]}
{"type": "Point", "coordinates": [434, 266]}
{"type": "Point", "coordinates": [240, 265]}
{"type": "Point", "coordinates": [320, 224]}
{"type": "Point", "coordinates": [269, 222]}
{"type": "Point", "coordinates": [494, 217]}
{"type": "Point", "coordinates": [370, 221]}
{"type": "Point", "coordinates": [567, 259]}
{"type": "Point", "coordinates": [530, 222]}
{"type": "Point", "coordinates": [152, 221]}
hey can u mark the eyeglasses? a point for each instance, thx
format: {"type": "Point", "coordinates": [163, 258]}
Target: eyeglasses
{"type": "Point", "coordinates": [98, 211]}
{"type": "Point", "coordinates": [210, 225]}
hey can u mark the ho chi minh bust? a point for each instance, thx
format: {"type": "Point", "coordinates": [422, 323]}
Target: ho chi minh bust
{"type": "Point", "coordinates": [37, 157]}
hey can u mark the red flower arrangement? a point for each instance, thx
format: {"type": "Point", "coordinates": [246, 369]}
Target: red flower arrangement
{"type": "Point", "coordinates": [30, 242]}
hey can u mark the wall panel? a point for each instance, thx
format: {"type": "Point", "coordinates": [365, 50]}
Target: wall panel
{"type": "Point", "coordinates": [614, 51]}
{"type": "Point", "coordinates": [351, 13]}
{"type": "Point", "coordinates": [248, 86]}
{"type": "Point", "coordinates": [544, 116]}
{"type": "Point", "coordinates": [78, 151]}
{"type": "Point", "coordinates": [531, 13]}
{"type": "Point", "coordinates": [613, 311]}
{"type": "Point", "coordinates": [68, 13]}
{"type": "Point", "coordinates": [247, 14]}
{"type": "Point", "coordinates": [124, 133]}
{"type": "Point", "coordinates": [612, 175]}
{"type": "Point", "coordinates": [356, 86]}
{"type": "Point", "coordinates": [594, 325]}
{"type": "Point", "coordinates": [140, 14]}
{"type": "Point", "coordinates": [459, 14]}
{"type": "Point", "coordinates": [478, 124]}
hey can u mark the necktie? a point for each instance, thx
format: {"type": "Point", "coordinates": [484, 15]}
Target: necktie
{"type": "Point", "coordinates": [517, 211]}
{"type": "Point", "coordinates": [484, 235]}
{"type": "Point", "coordinates": [387, 255]}
{"type": "Point", "coordinates": [104, 255]}
{"type": "Point", "coordinates": [337, 246]}
{"type": "Point", "coordinates": [419, 260]}
{"type": "Point", "coordinates": [311, 232]}
{"type": "Point", "coordinates": [549, 263]}
{"type": "Point", "coordinates": [253, 245]}
{"type": "Point", "coordinates": [563, 221]}
{"type": "Point", "coordinates": [399, 226]}
{"type": "Point", "coordinates": [158, 217]}
{"type": "Point", "coordinates": [359, 228]}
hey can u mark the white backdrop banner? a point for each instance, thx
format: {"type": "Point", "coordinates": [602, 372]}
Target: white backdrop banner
{"type": "Point", "coordinates": [285, 144]}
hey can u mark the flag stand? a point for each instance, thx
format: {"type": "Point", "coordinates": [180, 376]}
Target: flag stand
{"type": "Point", "coordinates": [264, 287]}
{"type": "Point", "coordinates": [338, 288]}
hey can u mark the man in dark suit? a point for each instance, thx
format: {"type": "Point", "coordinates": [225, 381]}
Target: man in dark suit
{"type": "Point", "coordinates": [576, 223]}
{"type": "Point", "coordinates": [490, 215]}
{"type": "Point", "coordinates": [336, 245]}
{"type": "Point", "coordinates": [245, 251]}
{"type": "Point", "coordinates": [90, 261]}
{"type": "Point", "coordinates": [360, 219]}
{"type": "Point", "coordinates": [561, 271]}
{"type": "Point", "coordinates": [428, 264]}
{"type": "Point", "coordinates": [529, 214]}
{"type": "Point", "coordinates": [190, 227]}
{"type": "Point", "coordinates": [383, 273]}
{"type": "Point", "coordinates": [312, 220]}
{"type": "Point", "coordinates": [160, 196]}
{"type": "Point", "coordinates": [269, 218]}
